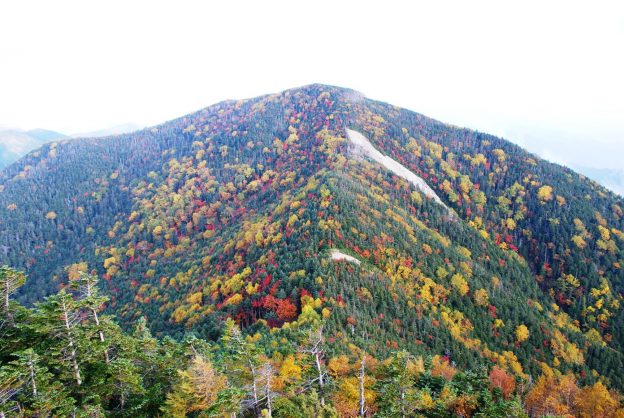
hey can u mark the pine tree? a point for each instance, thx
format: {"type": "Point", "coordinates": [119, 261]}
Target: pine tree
{"type": "Point", "coordinates": [396, 387]}
{"type": "Point", "coordinates": [244, 362]}
{"type": "Point", "coordinates": [10, 281]}
{"type": "Point", "coordinates": [58, 319]}
{"type": "Point", "coordinates": [90, 300]}
{"type": "Point", "coordinates": [38, 394]}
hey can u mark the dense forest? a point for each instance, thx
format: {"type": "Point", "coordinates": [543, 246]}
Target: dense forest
{"type": "Point", "coordinates": [64, 358]}
{"type": "Point", "coordinates": [253, 215]}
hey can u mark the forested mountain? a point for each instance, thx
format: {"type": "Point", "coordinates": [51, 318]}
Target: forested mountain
{"type": "Point", "coordinates": [395, 231]}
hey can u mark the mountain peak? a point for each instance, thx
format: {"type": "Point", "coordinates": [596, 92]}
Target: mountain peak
{"type": "Point", "coordinates": [400, 227]}
{"type": "Point", "coordinates": [315, 89]}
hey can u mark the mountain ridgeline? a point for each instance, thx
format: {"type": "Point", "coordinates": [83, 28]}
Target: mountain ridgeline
{"type": "Point", "coordinates": [405, 232]}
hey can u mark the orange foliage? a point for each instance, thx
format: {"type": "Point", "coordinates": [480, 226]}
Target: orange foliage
{"type": "Point", "coordinates": [441, 367]}
{"type": "Point", "coordinates": [499, 378]}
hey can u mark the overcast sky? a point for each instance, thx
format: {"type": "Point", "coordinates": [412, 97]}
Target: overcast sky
{"type": "Point", "coordinates": [546, 74]}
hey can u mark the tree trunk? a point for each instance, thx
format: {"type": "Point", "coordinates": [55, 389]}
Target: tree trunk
{"type": "Point", "coordinates": [268, 393]}
{"type": "Point", "coordinates": [7, 300]}
{"type": "Point", "coordinates": [72, 347]}
{"type": "Point", "coordinates": [89, 292]}
{"type": "Point", "coordinates": [361, 380]}
{"type": "Point", "coordinates": [254, 385]}
{"type": "Point", "coordinates": [317, 357]}
{"type": "Point", "coordinates": [402, 402]}
{"type": "Point", "coordinates": [32, 378]}
{"type": "Point", "coordinates": [97, 323]}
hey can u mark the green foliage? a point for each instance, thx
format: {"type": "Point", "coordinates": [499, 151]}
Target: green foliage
{"type": "Point", "coordinates": [250, 375]}
{"type": "Point", "coordinates": [232, 212]}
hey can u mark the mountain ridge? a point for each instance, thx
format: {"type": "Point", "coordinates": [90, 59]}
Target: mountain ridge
{"type": "Point", "coordinates": [221, 213]}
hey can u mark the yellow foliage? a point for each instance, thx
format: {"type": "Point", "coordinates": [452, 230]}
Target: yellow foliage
{"type": "Point", "coordinates": [75, 270]}
{"type": "Point", "coordinates": [460, 284]}
{"type": "Point", "coordinates": [197, 390]}
{"type": "Point", "coordinates": [252, 288]}
{"type": "Point", "coordinates": [481, 297]}
{"type": "Point", "coordinates": [564, 349]}
{"type": "Point", "coordinates": [289, 370]}
{"type": "Point", "coordinates": [522, 333]}
{"type": "Point", "coordinates": [234, 300]}
{"type": "Point", "coordinates": [195, 298]}
{"type": "Point", "coordinates": [338, 366]}
{"type": "Point", "coordinates": [605, 235]}
{"type": "Point", "coordinates": [579, 241]}
{"type": "Point", "coordinates": [500, 154]}
{"type": "Point", "coordinates": [109, 262]}
{"type": "Point", "coordinates": [545, 193]}
{"type": "Point", "coordinates": [442, 368]}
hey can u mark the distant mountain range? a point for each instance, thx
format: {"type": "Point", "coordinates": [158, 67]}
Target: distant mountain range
{"type": "Point", "coordinates": [15, 143]}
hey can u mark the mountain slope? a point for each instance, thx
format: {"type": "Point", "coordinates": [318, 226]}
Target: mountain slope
{"type": "Point", "coordinates": [465, 242]}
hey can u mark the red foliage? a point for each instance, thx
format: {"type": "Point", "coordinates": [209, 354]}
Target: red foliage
{"type": "Point", "coordinates": [286, 310]}
{"type": "Point", "coordinates": [283, 308]}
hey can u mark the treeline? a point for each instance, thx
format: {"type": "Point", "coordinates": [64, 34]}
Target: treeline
{"type": "Point", "coordinates": [64, 358]}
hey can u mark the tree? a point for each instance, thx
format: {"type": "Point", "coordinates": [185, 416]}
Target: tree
{"type": "Point", "coordinates": [314, 347]}
{"type": "Point", "coordinates": [58, 319]}
{"type": "Point", "coordinates": [10, 281]}
{"type": "Point", "coordinates": [549, 396]}
{"type": "Point", "coordinates": [361, 377]}
{"type": "Point", "coordinates": [35, 391]}
{"type": "Point", "coordinates": [90, 300]}
{"type": "Point", "coordinates": [501, 379]}
{"type": "Point", "coordinates": [267, 376]}
{"type": "Point", "coordinates": [595, 402]}
{"type": "Point", "coordinates": [545, 193]}
{"type": "Point", "coordinates": [522, 333]}
{"type": "Point", "coordinates": [460, 284]}
{"type": "Point", "coordinates": [396, 385]}
{"type": "Point", "coordinates": [197, 390]}
{"type": "Point", "coordinates": [481, 297]}
{"type": "Point", "coordinates": [243, 359]}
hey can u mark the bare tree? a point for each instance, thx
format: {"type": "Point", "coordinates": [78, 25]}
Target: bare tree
{"type": "Point", "coordinates": [315, 348]}
{"type": "Point", "coordinates": [267, 372]}
{"type": "Point", "coordinates": [361, 376]}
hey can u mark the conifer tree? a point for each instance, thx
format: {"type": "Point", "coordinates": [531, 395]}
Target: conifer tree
{"type": "Point", "coordinates": [58, 319]}
{"type": "Point", "coordinates": [39, 394]}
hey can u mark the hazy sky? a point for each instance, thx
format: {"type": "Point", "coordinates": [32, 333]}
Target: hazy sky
{"type": "Point", "coordinates": [546, 74]}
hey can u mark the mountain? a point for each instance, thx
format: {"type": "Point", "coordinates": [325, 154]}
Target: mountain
{"type": "Point", "coordinates": [405, 232]}
{"type": "Point", "coordinates": [16, 143]}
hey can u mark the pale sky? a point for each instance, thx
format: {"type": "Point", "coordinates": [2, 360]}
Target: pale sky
{"type": "Point", "coordinates": [546, 74]}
